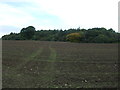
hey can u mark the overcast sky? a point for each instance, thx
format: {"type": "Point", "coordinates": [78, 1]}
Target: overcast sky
{"type": "Point", "coordinates": [57, 14]}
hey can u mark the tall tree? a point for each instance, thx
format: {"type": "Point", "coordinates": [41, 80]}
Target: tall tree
{"type": "Point", "coordinates": [27, 33]}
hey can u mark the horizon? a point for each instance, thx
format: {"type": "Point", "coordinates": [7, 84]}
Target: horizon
{"type": "Point", "coordinates": [61, 14]}
{"type": "Point", "coordinates": [60, 29]}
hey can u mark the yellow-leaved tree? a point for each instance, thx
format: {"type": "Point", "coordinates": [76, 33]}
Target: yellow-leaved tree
{"type": "Point", "coordinates": [73, 37]}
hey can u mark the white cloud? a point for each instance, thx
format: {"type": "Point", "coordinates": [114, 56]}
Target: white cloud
{"type": "Point", "coordinates": [15, 0]}
{"type": "Point", "coordinates": [13, 16]}
{"type": "Point", "coordinates": [69, 13]}
{"type": "Point", "coordinates": [89, 13]}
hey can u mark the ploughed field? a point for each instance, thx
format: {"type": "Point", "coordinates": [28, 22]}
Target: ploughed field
{"type": "Point", "coordinates": [42, 64]}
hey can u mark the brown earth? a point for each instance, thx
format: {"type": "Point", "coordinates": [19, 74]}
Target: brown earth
{"type": "Point", "coordinates": [42, 64]}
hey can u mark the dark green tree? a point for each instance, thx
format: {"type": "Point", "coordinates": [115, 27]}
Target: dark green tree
{"type": "Point", "coordinates": [93, 35]}
{"type": "Point", "coordinates": [101, 39]}
{"type": "Point", "coordinates": [27, 33]}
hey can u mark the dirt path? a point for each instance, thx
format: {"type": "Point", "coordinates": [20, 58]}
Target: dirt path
{"type": "Point", "coordinates": [26, 70]}
{"type": "Point", "coordinates": [40, 67]}
{"type": "Point", "coordinates": [16, 75]}
{"type": "Point", "coordinates": [48, 74]}
{"type": "Point", "coordinates": [30, 58]}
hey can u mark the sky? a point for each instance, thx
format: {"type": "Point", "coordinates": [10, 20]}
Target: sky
{"type": "Point", "coordinates": [57, 14]}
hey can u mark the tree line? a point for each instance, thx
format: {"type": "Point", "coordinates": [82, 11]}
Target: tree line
{"type": "Point", "coordinates": [93, 35]}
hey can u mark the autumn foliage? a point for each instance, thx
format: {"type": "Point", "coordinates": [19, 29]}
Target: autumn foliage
{"type": "Point", "coordinates": [73, 37]}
